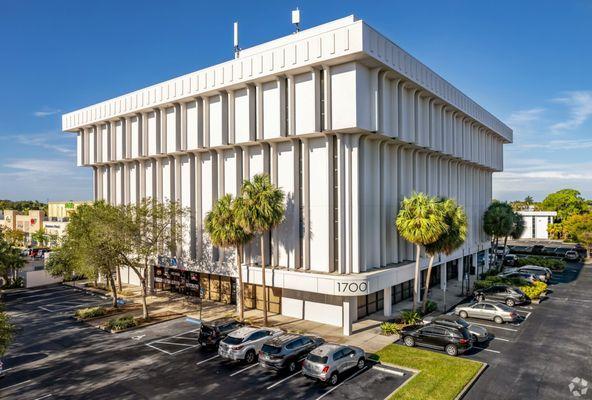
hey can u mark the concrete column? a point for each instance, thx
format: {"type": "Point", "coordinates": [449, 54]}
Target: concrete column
{"type": "Point", "coordinates": [460, 269]}
{"type": "Point", "coordinates": [388, 305]}
{"type": "Point", "coordinates": [348, 306]}
{"type": "Point", "coordinates": [443, 270]}
{"type": "Point", "coordinates": [305, 203]}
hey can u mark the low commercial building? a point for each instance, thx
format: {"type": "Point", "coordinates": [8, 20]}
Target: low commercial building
{"type": "Point", "coordinates": [346, 123]}
{"type": "Point", "coordinates": [536, 223]}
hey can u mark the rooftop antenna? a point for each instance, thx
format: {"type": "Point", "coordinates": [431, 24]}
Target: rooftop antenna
{"type": "Point", "coordinates": [236, 48]}
{"type": "Point", "coordinates": [296, 19]}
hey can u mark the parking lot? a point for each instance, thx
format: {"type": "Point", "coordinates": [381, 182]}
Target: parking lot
{"type": "Point", "coordinates": [56, 357]}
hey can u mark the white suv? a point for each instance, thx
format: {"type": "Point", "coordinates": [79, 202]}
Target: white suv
{"type": "Point", "coordinates": [245, 343]}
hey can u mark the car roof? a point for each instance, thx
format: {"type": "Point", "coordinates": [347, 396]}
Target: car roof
{"type": "Point", "coordinates": [221, 321]}
{"type": "Point", "coordinates": [283, 339]}
{"type": "Point", "coordinates": [243, 332]}
{"type": "Point", "coordinates": [446, 317]}
{"type": "Point", "coordinates": [326, 349]}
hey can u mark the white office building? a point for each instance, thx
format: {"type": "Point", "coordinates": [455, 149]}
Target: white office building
{"type": "Point", "coordinates": [345, 122]}
{"type": "Point", "coordinates": [536, 223]}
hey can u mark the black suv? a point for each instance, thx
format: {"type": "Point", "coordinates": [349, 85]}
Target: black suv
{"type": "Point", "coordinates": [212, 333]}
{"type": "Point", "coordinates": [506, 294]}
{"type": "Point", "coordinates": [453, 340]}
{"type": "Point", "coordinates": [285, 352]}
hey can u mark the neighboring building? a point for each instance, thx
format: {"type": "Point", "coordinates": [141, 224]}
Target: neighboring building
{"type": "Point", "coordinates": [54, 223]}
{"type": "Point", "coordinates": [536, 223]}
{"type": "Point", "coordinates": [345, 122]}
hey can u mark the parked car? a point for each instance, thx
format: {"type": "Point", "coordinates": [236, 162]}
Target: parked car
{"type": "Point", "coordinates": [572, 255]}
{"type": "Point", "coordinates": [1, 370]}
{"type": "Point", "coordinates": [285, 352]}
{"type": "Point", "coordinates": [560, 251]}
{"type": "Point", "coordinates": [453, 340]}
{"type": "Point", "coordinates": [506, 294]}
{"type": "Point", "coordinates": [501, 250]}
{"type": "Point", "coordinates": [478, 333]}
{"type": "Point", "coordinates": [494, 311]}
{"type": "Point", "coordinates": [541, 273]}
{"type": "Point", "coordinates": [245, 343]}
{"type": "Point", "coordinates": [329, 361]}
{"type": "Point", "coordinates": [518, 275]}
{"type": "Point", "coordinates": [510, 259]}
{"type": "Point", "coordinates": [211, 333]}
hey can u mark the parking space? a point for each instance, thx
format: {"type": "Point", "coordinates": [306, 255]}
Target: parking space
{"type": "Point", "coordinates": [176, 344]}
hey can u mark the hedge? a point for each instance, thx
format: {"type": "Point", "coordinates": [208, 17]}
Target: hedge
{"type": "Point", "coordinates": [90, 312]}
{"type": "Point", "coordinates": [552, 263]}
{"type": "Point", "coordinates": [118, 324]}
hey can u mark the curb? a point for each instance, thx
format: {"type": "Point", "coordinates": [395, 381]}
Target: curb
{"type": "Point", "coordinates": [412, 371]}
{"type": "Point", "coordinates": [469, 385]}
{"type": "Point", "coordinates": [176, 316]}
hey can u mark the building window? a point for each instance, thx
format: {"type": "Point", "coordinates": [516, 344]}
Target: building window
{"type": "Point", "coordinates": [533, 229]}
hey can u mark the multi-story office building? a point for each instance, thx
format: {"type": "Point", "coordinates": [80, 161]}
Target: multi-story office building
{"type": "Point", "coordinates": [345, 122]}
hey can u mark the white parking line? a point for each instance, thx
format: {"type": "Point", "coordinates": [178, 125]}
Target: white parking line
{"type": "Point", "coordinates": [175, 344]}
{"type": "Point", "coordinates": [206, 360]}
{"type": "Point", "coordinates": [16, 384]}
{"type": "Point", "coordinates": [503, 340]}
{"type": "Point", "coordinates": [388, 371]}
{"type": "Point", "coordinates": [524, 308]}
{"type": "Point", "coordinates": [336, 386]}
{"type": "Point", "coordinates": [159, 349]}
{"type": "Point", "coordinates": [484, 349]}
{"type": "Point", "coordinates": [283, 380]}
{"type": "Point", "coordinates": [44, 397]}
{"type": "Point", "coordinates": [527, 315]}
{"type": "Point", "coordinates": [244, 369]}
{"type": "Point", "coordinates": [496, 327]}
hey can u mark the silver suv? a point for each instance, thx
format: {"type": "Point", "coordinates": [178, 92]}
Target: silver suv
{"type": "Point", "coordinates": [327, 362]}
{"type": "Point", "coordinates": [244, 343]}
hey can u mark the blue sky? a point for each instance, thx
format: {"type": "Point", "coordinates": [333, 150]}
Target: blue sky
{"type": "Point", "coordinates": [527, 62]}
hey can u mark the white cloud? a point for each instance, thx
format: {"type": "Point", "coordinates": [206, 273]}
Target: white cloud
{"type": "Point", "coordinates": [523, 118]}
{"type": "Point", "coordinates": [50, 141]}
{"type": "Point", "coordinates": [580, 109]}
{"type": "Point", "coordinates": [46, 113]}
{"type": "Point", "coordinates": [570, 144]}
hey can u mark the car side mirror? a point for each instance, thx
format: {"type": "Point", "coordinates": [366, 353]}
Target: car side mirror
{"type": "Point", "coordinates": [351, 356]}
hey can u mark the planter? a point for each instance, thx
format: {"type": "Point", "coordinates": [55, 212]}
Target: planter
{"type": "Point", "coordinates": [153, 321]}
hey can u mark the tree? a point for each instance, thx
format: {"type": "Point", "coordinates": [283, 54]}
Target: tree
{"type": "Point", "coordinates": [223, 227]}
{"type": "Point", "coordinates": [576, 226]}
{"type": "Point", "coordinates": [14, 236]}
{"type": "Point", "coordinates": [40, 237]}
{"type": "Point", "coordinates": [6, 331]}
{"type": "Point", "coordinates": [419, 221]}
{"type": "Point", "coordinates": [498, 220]}
{"type": "Point", "coordinates": [453, 237]}
{"type": "Point", "coordinates": [566, 202]}
{"type": "Point", "coordinates": [517, 227]}
{"type": "Point", "coordinates": [146, 231]}
{"type": "Point", "coordinates": [10, 261]}
{"type": "Point", "coordinates": [91, 247]}
{"type": "Point", "coordinates": [262, 208]}
{"type": "Point", "coordinates": [528, 200]}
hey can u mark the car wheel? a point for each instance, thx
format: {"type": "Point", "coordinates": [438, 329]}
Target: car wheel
{"type": "Point", "coordinates": [334, 379]}
{"type": "Point", "coordinates": [409, 341]}
{"type": "Point", "coordinates": [451, 350]}
{"type": "Point", "coordinates": [292, 366]}
{"type": "Point", "coordinates": [498, 319]}
{"type": "Point", "coordinates": [510, 302]}
{"type": "Point", "coordinates": [463, 314]}
{"type": "Point", "coordinates": [250, 357]}
{"type": "Point", "coordinates": [361, 363]}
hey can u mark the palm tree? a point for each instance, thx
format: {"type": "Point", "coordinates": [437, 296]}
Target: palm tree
{"type": "Point", "coordinates": [224, 230]}
{"type": "Point", "coordinates": [261, 209]}
{"type": "Point", "coordinates": [498, 220]}
{"type": "Point", "coordinates": [453, 237]}
{"type": "Point", "coordinates": [420, 222]}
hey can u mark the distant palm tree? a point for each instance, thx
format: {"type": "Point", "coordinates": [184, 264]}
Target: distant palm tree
{"type": "Point", "coordinates": [453, 237]}
{"type": "Point", "coordinates": [262, 208]}
{"type": "Point", "coordinates": [420, 221]}
{"type": "Point", "coordinates": [224, 230]}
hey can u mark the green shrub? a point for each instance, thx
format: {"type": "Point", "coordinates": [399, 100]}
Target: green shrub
{"type": "Point", "coordinates": [390, 328]}
{"type": "Point", "coordinates": [90, 312]}
{"type": "Point", "coordinates": [496, 280]}
{"type": "Point", "coordinates": [551, 263]}
{"type": "Point", "coordinates": [535, 290]}
{"type": "Point", "coordinates": [431, 306]}
{"type": "Point", "coordinates": [15, 283]}
{"type": "Point", "coordinates": [410, 317]}
{"type": "Point", "coordinates": [118, 324]}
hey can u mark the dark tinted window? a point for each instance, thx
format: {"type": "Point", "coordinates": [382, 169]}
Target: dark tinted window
{"type": "Point", "coordinates": [269, 349]}
{"type": "Point", "coordinates": [489, 307]}
{"type": "Point", "coordinates": [317, 359]}
{"type": "Point", "coordinates": [478, 307]}
{"type": "Point", "coordinates": [294, 344]}
{"type": "Point", "coordinates": [305, 341]}
{"type": "Point", "coordinates": [257, 335]}
{"type": "Point", "coordinates": [232, 340]}
{"type": "Point", "coordinates": [338, 355]}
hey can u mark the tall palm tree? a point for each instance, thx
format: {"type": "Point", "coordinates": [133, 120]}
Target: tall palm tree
{"type": "Point", "coordinates": [453, 237]}
{"type": "Point", "coordinates": [420, 222]}
{"type": "Point", "coordinates": [224, 230]}
{"type": "Point", "coordinates": [262, 208]}
{"type": "Point", "coordinates": [498, 220]}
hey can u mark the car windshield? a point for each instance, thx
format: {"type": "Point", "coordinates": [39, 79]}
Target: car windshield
{"type": "Point", "coordinates": [463, 323]}
{"type": "Point", "coordinates": [269, 349]}
{"type": "Point", "coordinates": [233, 340]}
{"type": "Point", "coordinates": [317, 359]}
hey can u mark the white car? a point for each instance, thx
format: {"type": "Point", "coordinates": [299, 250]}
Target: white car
{"type": "Point", "coordinates": [572, 255]}
{"type": "Point", "coordinates": [245, 343]}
